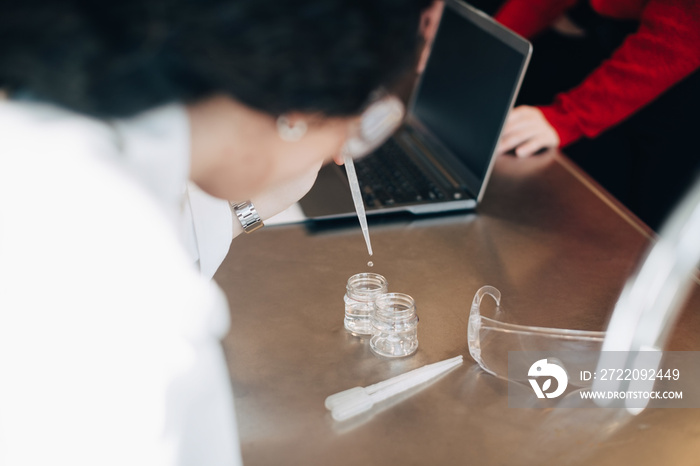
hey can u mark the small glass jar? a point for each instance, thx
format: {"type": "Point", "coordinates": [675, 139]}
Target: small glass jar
{"type": "Point", "coordinates": [361, 291]}
{"type": "Point", "coordinates": [394, 326]}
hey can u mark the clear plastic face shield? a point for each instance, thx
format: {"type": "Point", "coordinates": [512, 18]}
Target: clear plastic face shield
{"type": "Point", "coordinates": [491, 338]}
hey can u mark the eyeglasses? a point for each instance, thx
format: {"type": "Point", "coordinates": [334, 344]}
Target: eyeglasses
{"type": "Point", "coordinates": [377, 123]}
{"type": "Point", "coordinates": [491, 340]}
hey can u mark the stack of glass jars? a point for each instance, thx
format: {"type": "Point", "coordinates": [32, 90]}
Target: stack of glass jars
{"type": "Point", "coordinates": [390, 318]}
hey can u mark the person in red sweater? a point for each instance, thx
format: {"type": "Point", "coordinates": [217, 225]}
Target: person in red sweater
{"type": "Point", "coordinates": [661, 51]}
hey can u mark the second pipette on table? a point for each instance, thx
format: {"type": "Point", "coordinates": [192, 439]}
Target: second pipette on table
{"type": "Point", "coordinates": [350, 403]}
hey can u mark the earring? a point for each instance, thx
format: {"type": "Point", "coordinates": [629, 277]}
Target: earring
{"type": "Point", "coordinates": [289, 132]}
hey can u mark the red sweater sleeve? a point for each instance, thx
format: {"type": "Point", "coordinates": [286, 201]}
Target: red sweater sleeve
{"type": "Point", "coordinates": [528, 17]}
{"type": "Point", "coordinates": [664, 50]}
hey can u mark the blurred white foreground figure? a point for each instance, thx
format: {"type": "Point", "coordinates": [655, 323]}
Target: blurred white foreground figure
{"type": "Point", "coordinates": [109, 337]}
{"type": "Point", "coordinates": [651, 301]}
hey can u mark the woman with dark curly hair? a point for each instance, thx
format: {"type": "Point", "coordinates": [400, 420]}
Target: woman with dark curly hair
{"type": "Point", "coordinates": [131, 134]}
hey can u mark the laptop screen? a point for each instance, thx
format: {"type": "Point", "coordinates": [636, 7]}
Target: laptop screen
{"type": "Point", "coordinates": [466, 89]}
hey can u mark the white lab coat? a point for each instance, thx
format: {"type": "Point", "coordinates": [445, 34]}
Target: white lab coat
{"type": "Point", "coordinates": [109, 335]}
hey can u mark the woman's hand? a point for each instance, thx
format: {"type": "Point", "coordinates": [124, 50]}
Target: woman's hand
{"type": "Point", "coordinates": [527, 131]}
{"type": "Point", "coordinates": [274, 200]}
{"type": "Point", "coordinates": [277, 199]}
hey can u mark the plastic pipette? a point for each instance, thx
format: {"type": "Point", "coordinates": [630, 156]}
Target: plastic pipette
{"type": "Point", "coordinates": [363, 401]}
{"type": "Point", "coordinates": [348, 395]}
{"type": "Point", "coordinates": [357, 198]}
{"type": "Point", "coordinates": [378, 121]}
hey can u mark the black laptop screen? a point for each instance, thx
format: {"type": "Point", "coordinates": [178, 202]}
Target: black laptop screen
{"type": "Point", "coordinates": [466, 90]}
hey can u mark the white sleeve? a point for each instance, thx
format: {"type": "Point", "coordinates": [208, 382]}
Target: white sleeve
{"type": "Point", "coordinates": [211, 229]}
{"type": "Point", "coordinates": [156, 147]}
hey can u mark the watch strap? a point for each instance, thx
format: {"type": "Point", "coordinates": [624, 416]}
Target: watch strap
{"type": "Point", "coordinates": [247, 215]}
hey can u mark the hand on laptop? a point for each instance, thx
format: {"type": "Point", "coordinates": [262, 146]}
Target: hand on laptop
{"type": "Point", "coordinates": [527, 132]}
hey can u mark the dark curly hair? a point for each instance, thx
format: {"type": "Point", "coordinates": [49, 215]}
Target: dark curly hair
{"type": "Point", "coordinates": [118, 58]}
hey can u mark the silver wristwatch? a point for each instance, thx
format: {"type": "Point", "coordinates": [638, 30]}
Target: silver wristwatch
{"type": "Point", "coordinates": [247, 215]}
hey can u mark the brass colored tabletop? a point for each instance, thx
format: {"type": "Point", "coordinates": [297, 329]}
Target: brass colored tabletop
{"type": "Point", "coordinates": [558, 248]}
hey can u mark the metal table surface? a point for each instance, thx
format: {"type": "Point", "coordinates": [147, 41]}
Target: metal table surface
{"type": "Point", "coordinates": [558, 248]}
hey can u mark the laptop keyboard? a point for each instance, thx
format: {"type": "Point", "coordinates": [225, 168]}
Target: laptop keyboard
{"type": "Point", "coordinates": [389, 177]}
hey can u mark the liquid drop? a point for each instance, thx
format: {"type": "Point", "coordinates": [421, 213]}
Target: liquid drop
{"type": "Point", "coordinates": [370, 264]}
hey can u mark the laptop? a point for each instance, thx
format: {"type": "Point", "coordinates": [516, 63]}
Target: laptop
{"type": "Point", "coordinates": [441, 157]}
